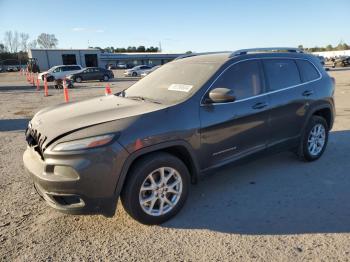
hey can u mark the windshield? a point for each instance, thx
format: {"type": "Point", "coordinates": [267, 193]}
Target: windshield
{"type": "Point", "coordinates": [52, 69]}
{"type": "Point", "coordinates": [173, 82]}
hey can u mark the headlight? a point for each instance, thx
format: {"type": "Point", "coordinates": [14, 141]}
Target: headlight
{"type": "Point", "coordinates": [86, 143]}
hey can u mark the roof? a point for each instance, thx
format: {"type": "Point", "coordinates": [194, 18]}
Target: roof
{"type": "Point", "coordinates": [64, 49]}
{"type": "Point", "coordinates": [219, 57]}
{"type": "Point", "coordinates": [222, 57]}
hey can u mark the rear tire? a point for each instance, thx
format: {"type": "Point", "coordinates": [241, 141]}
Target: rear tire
{"type": "Point", "coordinates": [314, 139]}
{"type": "Point", "coordinates": [156, 188]}
{"type": "Point", "coordinates": [105, 78]}
{"type": "Point", "coordinates": [134, 74]}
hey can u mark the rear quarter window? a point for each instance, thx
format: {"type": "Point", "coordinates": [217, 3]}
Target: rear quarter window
{"type": "Point", "coordinates": [308, 72]}
{"type": "Point", "coordinates": [281, 73]}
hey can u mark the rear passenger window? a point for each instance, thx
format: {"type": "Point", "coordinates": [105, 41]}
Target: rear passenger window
{"type": "Point", "coordinates": [71, 68]}
{"type": "Point", "coordinates": [281, 73]}
{"type": "Point", "coordinates": [307, 71]}
{"type": "Point", "coordinates": [243, 79]}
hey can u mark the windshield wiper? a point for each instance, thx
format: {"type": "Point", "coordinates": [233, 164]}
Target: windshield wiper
{"type": "Point", "coordinates": [141, 98]}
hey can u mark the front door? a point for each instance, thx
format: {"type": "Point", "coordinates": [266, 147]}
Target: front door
{"type": "Point", "coordinates": [235, 129]}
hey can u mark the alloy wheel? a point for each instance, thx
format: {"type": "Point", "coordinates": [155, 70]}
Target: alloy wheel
{"type": "Point", "coordinates": [316, 139]}
{"type": "Point", "coordinates": [160, 191]}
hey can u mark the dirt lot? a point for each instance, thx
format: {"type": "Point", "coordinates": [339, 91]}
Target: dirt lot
{"type": "Point", "coordinates": [275, 208]}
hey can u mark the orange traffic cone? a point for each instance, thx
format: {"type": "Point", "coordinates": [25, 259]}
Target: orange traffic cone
{"type": "Point", "coordinates": [33, 81]}
{"type": "Point", "coordinates": [108, 90]}
{"type": "Point", "coordinates": [37, 83]}
{"type": "Point", "coordinates": [65, 92]}
{"type": "Point", "coordinates": [46, 89]}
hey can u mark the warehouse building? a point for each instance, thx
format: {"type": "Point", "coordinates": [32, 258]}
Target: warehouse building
{"type": "Point", "coordinates": [47, 58]}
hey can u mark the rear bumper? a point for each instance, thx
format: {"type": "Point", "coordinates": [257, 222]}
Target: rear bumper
{"type": "Point", "coordinates": [77, 184]}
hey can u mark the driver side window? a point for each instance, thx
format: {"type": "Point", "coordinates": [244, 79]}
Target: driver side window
{"type": "Point", "coordinates": [243, 78]}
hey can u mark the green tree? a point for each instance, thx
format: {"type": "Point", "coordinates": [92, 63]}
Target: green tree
{"type": "Point", "coordinates": [141, 48]}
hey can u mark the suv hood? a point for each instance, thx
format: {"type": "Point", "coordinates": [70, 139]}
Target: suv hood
{"type": "Point", "coordinates": [53, 122]}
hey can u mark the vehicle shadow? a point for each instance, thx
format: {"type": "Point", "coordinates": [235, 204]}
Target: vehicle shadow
{"type": "Point", "coordinates": [275, 195]}
{"type": "Point", "coordinates": [13, 124]}
{"type": "Point", "coordinates": [18, 88]}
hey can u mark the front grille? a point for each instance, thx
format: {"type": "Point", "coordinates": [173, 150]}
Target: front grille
{"type": "Point", "coordinates": [35, 140]}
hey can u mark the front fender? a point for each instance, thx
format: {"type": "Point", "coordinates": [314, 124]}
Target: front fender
{"type": "Point", "coordinates": [153, 148]}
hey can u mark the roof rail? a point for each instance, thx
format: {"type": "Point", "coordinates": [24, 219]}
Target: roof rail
{"type": "Point", "coordinates": [266, 49]}
{"type": "Point", "coordinates": [197, 54]}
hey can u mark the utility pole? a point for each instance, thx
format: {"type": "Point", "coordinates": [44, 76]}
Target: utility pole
{"type": "Point", "coordinates": [160, 47]}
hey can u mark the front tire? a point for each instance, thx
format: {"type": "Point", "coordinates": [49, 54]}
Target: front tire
{"type": "Point", "coordinates": [78, 79]}
{"type": "Point", "coordinates": [156, 188]}
{"type": "Point", "coordinates": [314, 140]}
{"type": "Point", "coordinates": [134, 74]}
{"type": "Point", "coordinates": [50, 79]}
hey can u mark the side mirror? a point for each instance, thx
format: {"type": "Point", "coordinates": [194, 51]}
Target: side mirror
{"type": "Point", "coordinates": [221, 95]}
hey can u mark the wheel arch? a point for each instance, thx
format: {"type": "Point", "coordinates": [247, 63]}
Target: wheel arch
{"type": "Point", "coordinates": [324, 110]}
{"type": "Point", "coordinates": [180, 149]}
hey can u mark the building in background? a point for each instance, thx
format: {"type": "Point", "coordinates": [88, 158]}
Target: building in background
{"type": "Point", "coordinates": [47, 58]}
{"type": "Point", "coordinates": [329, 54]}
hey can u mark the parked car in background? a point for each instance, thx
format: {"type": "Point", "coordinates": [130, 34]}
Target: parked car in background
{"type": "Point", "coordinates": [140, 144]}
{"type": "Point", "coordinates": [91, 73]}
{"type": "Point", "coordinates": [111, 66]}
{"type": "Point", "coordinates": [146, 72]}
{"type": "Point", "coordinates": [137, 70]}
{"type": "Point", "coordinates": [11, 68]}
{"type": "Point", "coordinates": [341, 61]}
{"type": "Point", "coordinates": [59, 72]}
{"type": "Point", "coordinates": [122, 66]}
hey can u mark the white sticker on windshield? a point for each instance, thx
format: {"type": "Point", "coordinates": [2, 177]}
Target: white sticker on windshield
{"type": "Point", "coordinates": [180, 87]}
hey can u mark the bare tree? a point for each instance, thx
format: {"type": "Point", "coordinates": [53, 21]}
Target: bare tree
{"type": "Point", "coordinates": [16, 43]}
{"type": "Point", "coordinates": [47, 40]}
{"type": "Point", "coordinates": [12, 41]}
{"type": "Point", "coordinates": [2, 48]}
{"type": "Point", "coordinates": [24, 41]}
{"type": "Point", "coordinates": [32, 44]}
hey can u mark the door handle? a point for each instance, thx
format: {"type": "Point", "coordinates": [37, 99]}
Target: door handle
{"type": "Point", "coordinates": [260, 105]}
{"type": "Point", "coordinates": [308, 93]}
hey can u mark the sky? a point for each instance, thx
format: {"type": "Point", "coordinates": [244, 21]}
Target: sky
{"type": "Point", "coordinates": [180, 25]}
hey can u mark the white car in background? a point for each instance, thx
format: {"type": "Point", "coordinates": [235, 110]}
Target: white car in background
{"type": "Point", "coordinates": [59, 72]}
{"type": "Point", "coordinates": [147, 72]}
{"type": "Point", "coordinates": [137, 70]}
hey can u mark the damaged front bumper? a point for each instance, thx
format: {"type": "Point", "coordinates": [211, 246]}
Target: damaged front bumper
{"type": "Point", "coordinates": [82, 182]}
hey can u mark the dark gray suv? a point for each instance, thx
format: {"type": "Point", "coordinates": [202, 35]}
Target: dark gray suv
{"type": "Point", "coordinates": [199, 112]}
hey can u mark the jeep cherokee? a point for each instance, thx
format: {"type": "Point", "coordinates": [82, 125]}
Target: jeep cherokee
{"type": "Point", "coordinates": [199, 112]}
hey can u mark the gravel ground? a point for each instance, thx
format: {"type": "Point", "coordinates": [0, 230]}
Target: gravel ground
{"type": "Point", "coordinates": [272, 209]}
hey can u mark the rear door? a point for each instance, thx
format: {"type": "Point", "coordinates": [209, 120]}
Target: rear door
{"type": "Point", "coordinates": [289, 98]}
{"type": "Point", "coordinates": [98, 73]}
{"type": "Point", "coordinates": [235, 129]}
{"type": "Point", "coordinates": [67, 70]}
